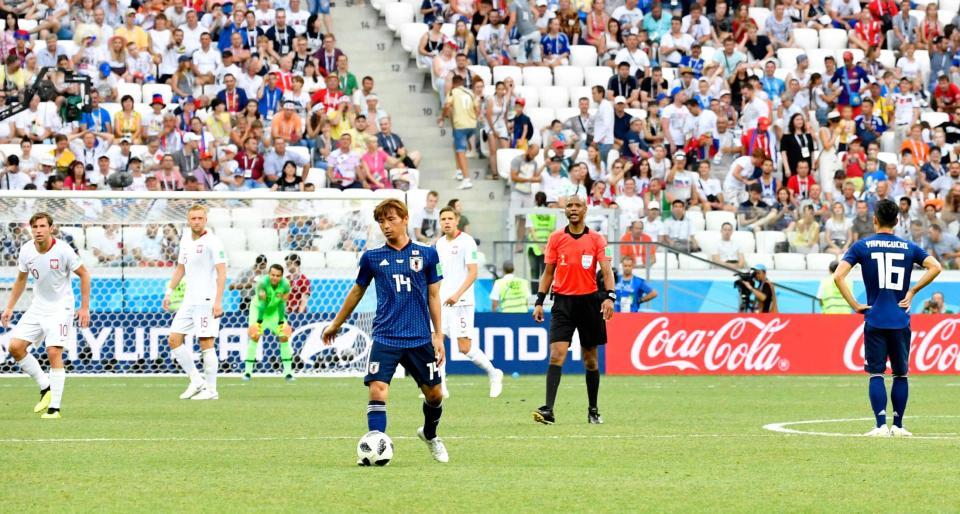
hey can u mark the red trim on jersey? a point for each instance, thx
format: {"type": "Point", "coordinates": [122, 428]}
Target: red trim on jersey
{"type": "Point", "coordinates": [53, 241]}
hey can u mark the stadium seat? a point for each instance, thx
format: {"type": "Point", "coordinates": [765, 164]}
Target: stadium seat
{"type": "Point", "coordinates": [697, 223]}
{"type": "Point", "coordinates": [537, 76]}
{"type": "Point", "coordinates": [583, 56]}
{"type": "Point", "coordinates": [79, 238]}
{"type": "Point", "coordinates": [888, 142]}
{"type": "Point", "coordinates": [530, 94]}
{"type": "Point", "coordinates": [164, 90]}
{"type": "Point", "coordinates": [578, 92]}
{"type": "Point", "coordinates": [888, 157]}
{"type": "Point", "coordinates": [597, 75]}
{"type": "Point", "coordinates": [27, 24]}
{"type": "Point", "coordinates": [312, 260]}
{"type": "Point", "coordinates": [216, 216]}
{"type": "Point", "coordinates": [788, 57]}
{"type": "Point", "coordinates": [211, 90]}
{"type": "Point", "coordinates": [918, 15]}
{"type": "Point", "coordinates": [482, 72]}
{"type": "Point", "coordinates": [637, 113]}
{"type": "Point", "coordinates": [502, 72]}
{"type": "Point", "coordinates": [789, 261]}
{"type": "Point", "coordinates": [410, 34]}
{"type": "Point", "coordinates": [833, 39]}
{"type": "Point", "coordinates": [668, 258]}
{"type": "Point", "coordinates": [806, 39]}
{"type": "Point", "coordinates": [670, 74]}
{"type": "Point", "coordinates": [234, 239]}
{"type": "Point", "coordinates": [760, 15]}
{"type": "Point", "coordinates": [568, 76]}
{"type": "Point", "coordinates": [262, 239]}
{"type": "Point", "coordinates": [566, 113]}
{"type": "Point", "coordinates": [820, 261]}
{"type": "Point", "coordinates": [888, 59]}
{"type": "Point", "coordinates": [817, 56]}
{"type": "Point", "coordinates": [88, 259]}
{"type": "Point", "coordinates": [246, 217]}
{"type": "Point", "coordinates": [504, 157]}
{"type": "Point", "coordinates": [685, 262]}
{"type": "Point", "coordinates": [540, 117]}
{"type": "Point", "coordinates": [744, 240]}
{"type": "Point", "coordinates": [950, 5]}
{"type": "Point", "coordinates": [301, 152]}
{"type": "Point", "coordinates": [380, 4]}
{"type": "Point", "coordinates": [241, 259]}
{"type": "Point", "coordinates": [707, 53]}
{"type": "Point", "coordinates": [759, 258]}
{"type": "Point", "coordinates": [935, 119]}
{"type": "Point", "coordinates": [767, 240]}
{"type": "Point", "coordinates": [716, 219]}
{"type": "Point", "coordinates": [923, 59]}
{"type": "Point", "coordinates": [946, 16]}
{"type": "Point", "coordinates": [67, 47]}
{"type": "Point", "coordinates": [318, 177]}
{"type": "Point", "coordinates": [447, 29]}
{"type": "Point", "coordinates": [111, 107]}
{"type": "Point", "coordinates": [553, 97]}
{"type": "Point", "coordinates": [341, 259]}
{"type": "Point", "coordinates": [126, 88]}
{"type": "Point", "coordinates": [396, 14]}
{"type": "Point", "coordinates": [709, 241]}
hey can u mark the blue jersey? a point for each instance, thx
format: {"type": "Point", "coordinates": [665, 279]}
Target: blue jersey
{"type": "Point", "coordinates": [886, 262]}
{"type": "Point", "coordinates": [402, 277]}
{"type": "Point", "coordinates": [629, 293]}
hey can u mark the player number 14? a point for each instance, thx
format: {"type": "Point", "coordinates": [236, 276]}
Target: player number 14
{"type": "Point", "coordinates": [889, 275]}
{"type": "Point", "coordinates": [401, 281]}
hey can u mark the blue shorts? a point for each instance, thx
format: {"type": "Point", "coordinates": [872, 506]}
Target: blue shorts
{"type": "Point", "coordinates": [420, 363]}
{"type": "Point", "coordinates": [460, 137]}
{"type": "Point", "coordinates": [880, 344]}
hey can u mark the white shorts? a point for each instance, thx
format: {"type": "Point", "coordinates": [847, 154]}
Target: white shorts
{"type": "Point", "coordinates": [457, 321]}
{"type": "Point", "coordinates": [51, 329]}
{"type": "Point", "coordinates": [520, 200]}
{"type": "Point", "coordinates": [197, 320]}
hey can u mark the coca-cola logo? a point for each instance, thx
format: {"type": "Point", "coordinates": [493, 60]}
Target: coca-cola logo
{"type": "Point", "coordinates": [931, 350]}
{"type": "Point", "coordinates": [740, 344]}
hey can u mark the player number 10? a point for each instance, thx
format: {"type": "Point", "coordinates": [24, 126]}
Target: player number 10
{"type": "Point", "coordinates": [401, 281]}
{"type": "Point", "coordinates": [889, 275]}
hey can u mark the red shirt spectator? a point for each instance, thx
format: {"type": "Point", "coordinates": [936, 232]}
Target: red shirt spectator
{"type": "Point", "coordinates": [252, 165]}
{"type": "Point", "coordinates": [758, 138]}
{"type": "Point", "coordinates": [639, 253]}
{"type": "Point", "coordinates": [870, 32]}
{"type": "Point", "coordinates": [946, 93]}
{"type": "Point", "coordinates": [880, 8]}
{"type": "Point", "coordinates": [800, 185]}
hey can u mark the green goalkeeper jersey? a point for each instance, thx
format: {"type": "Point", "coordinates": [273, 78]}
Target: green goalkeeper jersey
{"type": "Point", "coordinates": [269, 301]}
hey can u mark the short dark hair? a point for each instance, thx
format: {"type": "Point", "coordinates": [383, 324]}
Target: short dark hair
{"type": "Point", "coordinates": [448, 208]}
{"type": "Point", "coordinates": [389, 205]}
{"type": "Point", "coordinates": [277, 267]}
{"type": "Point", "coordinates": [40, 216]}
{"type": "Point", "coordinates": [886, 213]}
{"type": "Point", "coordinates": [678, 201]}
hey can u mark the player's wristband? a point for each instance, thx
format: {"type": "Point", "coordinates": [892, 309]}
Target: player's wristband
{"type": "Point", "coordinates": [540, 298]}
{"type": "Point", "coordinates": [611, 295]}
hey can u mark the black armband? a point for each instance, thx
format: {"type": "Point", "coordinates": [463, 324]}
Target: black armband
{"type": "Point", "coordinates": [540, 298]}
{"type": "Point", "coordinates": [610, 295]}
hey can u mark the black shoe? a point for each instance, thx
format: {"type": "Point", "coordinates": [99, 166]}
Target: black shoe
{"type": "Point", "coordinates": [593, 416]}
{"type": "Point", "coordinates": [544, 415]}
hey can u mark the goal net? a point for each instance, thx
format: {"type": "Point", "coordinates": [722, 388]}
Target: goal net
{"type": "Point", "coordinates": [129, 243]}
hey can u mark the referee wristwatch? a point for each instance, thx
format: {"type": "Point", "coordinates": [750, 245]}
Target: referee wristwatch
{"type": "Point", "coordinates": [610, 295]}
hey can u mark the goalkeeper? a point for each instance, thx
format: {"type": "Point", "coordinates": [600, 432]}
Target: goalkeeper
{"type": "Point", "coordinates": [268, 312]}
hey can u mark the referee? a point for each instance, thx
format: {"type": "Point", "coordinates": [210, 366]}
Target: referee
{"type": "Point", "coordinates": [572, 256]}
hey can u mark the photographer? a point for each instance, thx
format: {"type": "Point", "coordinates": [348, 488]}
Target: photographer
{"type": "Point", "coordinates": [936, 305]}
{"type": "Point", "coordinates": [764, 292]}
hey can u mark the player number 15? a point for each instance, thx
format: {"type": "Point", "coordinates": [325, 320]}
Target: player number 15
{"type": "Point", "coordinates": [401, 281]}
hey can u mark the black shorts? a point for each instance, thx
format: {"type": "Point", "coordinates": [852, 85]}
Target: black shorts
{"type": "Point", "coordinates": [580, 313]}
{"type": "Point", "coordinates": [420, 363]}
{"type": "Point", "coordinates": [880, 344]}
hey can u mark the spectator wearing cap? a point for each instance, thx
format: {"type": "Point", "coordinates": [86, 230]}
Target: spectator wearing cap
{"type": "Point", "coordinates": [552, 182]}
{"type": "Point", "coordinates": [522, 128]}
{"type": "Point", "coordinates": [444, 62]}
{"type": "Point", "coordinates": [623, 84]}
{"type": "Point", "coordinates": [45, 170]}
{"type": "Point", "coordinates": [184, 81]}
{"type": "Point", "coordinates": [188, 158]}
{"type": "Point", "coordinates": [849, 78]}
{"type": "Point", "coordinates": [621, 121]}
{"type": "Point", "coordinates": [120, 154]}
{"type": "Point", "coordinates": [632, 54]}
{"type": "Point", "coordinates": [131, 31]}
{"type": "Point", "coordinates": [139, 179]}
{"type": "Point", "coordinates": [759, 138]}
{"type": "Point", "coordinates": [556, 45]}
{"type": "Point", "coordinates": [681, 183]}
{"type": "Point", "coordinates": [287, 125]}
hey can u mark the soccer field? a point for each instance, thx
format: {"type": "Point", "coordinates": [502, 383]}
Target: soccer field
{"type": "Point", "coordinates": [677, 444]}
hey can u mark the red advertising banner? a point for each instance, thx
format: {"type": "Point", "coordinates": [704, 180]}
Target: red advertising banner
{"type": "Point", "coordinates": [751, 344]}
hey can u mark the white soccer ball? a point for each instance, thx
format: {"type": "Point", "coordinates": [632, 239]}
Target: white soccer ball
{"type": "Point", "coordinates": [374, 449]}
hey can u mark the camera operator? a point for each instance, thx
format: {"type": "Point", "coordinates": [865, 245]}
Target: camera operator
{"type": "Point", "coordinates": [936, 305]}
{"type": "Point", "coordinates": [764, 291]}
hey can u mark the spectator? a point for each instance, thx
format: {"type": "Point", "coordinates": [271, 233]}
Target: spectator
{"type": "Point", "coordinates": [425, 223]}
{"type": "Point", "coordinates": [804, 234]}
{"type": "Point", "coordinates": [519, 126]}
{"type": "Point", "coordinates": [394, 146]}
{"type": "Point", "coordinates": [728, 252]}
{"type": "Point", "coordinates": [107, 246]}
{"type": "Point", "coordinates": [942, 185]}
{"type": "Point", "coordinates": [754, 214]}
{"type": "Point", "coordinates": [463, 109]}
{"type": "Point", "coordinates": [12, 177]}
{"type": "Point", "coordinates": [603, 122]}
{"type": "Point", "coordinates": [629, 245]}
{"type": "Point", "coordinates": [345, 168]}
{"type": "Point", "coordinates": [838, 231]}
{"type": "Point", "coordinates": [653, 225]}
{"type": "Point", "coordinates": [679, 232]}
{"type": "Point", "coordinates": [623, 84]}
{"type": "Point", "coordinates": [802, 182]}
{"type": "Point", "coordinates": [936, 304]}
{"type": "Point", "coordinates": [632, 291]}
{"type": "Point", "coordinates": [766, 294]}
{"type": "Point", "coordinates": [944, 246]}
{"type": "Point", "coordinates": [300, 286]}
{"type": "Point", "coordinates": [862, 223]}
{"type": "Point", "coordinates": [523, 19]}
{"type": "Point", "coordinates": [556, 45]}
{"type": "Point", "coordinates": [510, 294]}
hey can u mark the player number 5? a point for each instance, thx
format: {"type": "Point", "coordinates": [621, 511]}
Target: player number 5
{"type": "Point", "coordinates": [401, 281]}
{"type": "Point", "coordinates": [889, 275]}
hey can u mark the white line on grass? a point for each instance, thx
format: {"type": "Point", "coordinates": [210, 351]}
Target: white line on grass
{"type": "Point", "coordinates": [783, 428]}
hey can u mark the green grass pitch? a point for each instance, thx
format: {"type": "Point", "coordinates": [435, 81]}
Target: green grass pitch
{"type": "Point", "coordinates": [670, 444]}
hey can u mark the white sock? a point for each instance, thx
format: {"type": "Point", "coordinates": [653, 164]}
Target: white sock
{"type": "Point", "coordinates": [210, 365]}
{"type": "Point", "coordinates": [30, 366]}
{"type": "Point", "coordinates": [184, 358]}
{"type": "Point", "coordinates": [57, 377]}
{"type": "Point", "coordinates": [480, 359]}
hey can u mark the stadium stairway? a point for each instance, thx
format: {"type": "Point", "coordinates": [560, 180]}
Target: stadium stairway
{"type": "Point", "coordinates": [405, 93]}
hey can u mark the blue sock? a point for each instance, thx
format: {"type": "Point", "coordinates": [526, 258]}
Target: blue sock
{"type": "Point", "coordinates": [898, 396]}
{"type": "Point", "coordinates": [377, 416]}
{"type": "Point", "coordinates": [878, 399]}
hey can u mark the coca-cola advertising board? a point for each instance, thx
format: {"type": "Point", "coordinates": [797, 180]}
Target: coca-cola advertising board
{"type": "Point", "coordinates": [765, 344]}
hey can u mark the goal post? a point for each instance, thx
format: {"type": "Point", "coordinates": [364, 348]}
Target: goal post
{"type": "Point", "coordinates": [129, 241]}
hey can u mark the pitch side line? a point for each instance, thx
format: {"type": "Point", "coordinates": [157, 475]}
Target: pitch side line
{"type": "Point", "coordinates": [783, 428]}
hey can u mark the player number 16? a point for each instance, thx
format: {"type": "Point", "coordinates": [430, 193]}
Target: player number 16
{"type": "Point", "coordinates": [401, 281]}
{"type": "Point", "coordinates": [889, 276]}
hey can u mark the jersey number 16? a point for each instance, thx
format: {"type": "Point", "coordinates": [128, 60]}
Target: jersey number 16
{"type": "Point", "coordinates": [401, 281]}
{"type": "Point", "coordinates": [889, 275]}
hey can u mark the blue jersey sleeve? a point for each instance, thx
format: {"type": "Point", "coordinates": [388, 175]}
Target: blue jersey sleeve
{"type": "Point", "coordinates": [644, 288]}
{"type": "Point", "coordinates": [434, 274]}
{"type": "Point", "coordinates": [919, 254]}
{"type": "Point", "coordinates": [852, 257]}
{"type": "Point", "coordinates": [365, 274]}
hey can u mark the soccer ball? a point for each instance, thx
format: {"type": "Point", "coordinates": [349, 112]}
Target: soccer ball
{"type": "Point", "coordinates": [374, 449]}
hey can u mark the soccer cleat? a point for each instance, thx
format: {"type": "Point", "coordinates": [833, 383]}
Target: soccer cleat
{"type": "Point", "coordinates": [593, 416]}
{"type": "Point", "coordinates": [544, 415]}
{"type": "Point", "coordinates": [247, 377]}
{"type": "Point", "coordinates": [44, 401]}
{"type": "Point", "coordinates": [879, 432]}
{"type": "Point", "coordinates": [437, 449]}
{"type": "Point", "coordinates": [206, 394]}
{"type": "Point", "coordinates": [51, 414]}
{"type": "Point", "coordinates": [290, 379]}
{"type": "Point", "coordinates": [193, 389]}
{"type": "Point", "coordinates": [496, 383]}
{"type": "Point", "coordinates": [896, 431]}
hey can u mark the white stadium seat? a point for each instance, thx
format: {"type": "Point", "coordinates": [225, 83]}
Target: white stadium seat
{"type": "Point", "coordinates": [504, 157]}
{"type": "Point", "coordinates": [537, 76]}
{"type": "Point", "coordinates": [396, 14]}
{"type": "Point", "coordinates": [820, 261]}
{"type": "Point", "coordinates": [697, 223]}
{"type": "Point", "coordinates": [234, 239]}
{"type": "Point", "coordinates": [216, 216]}
{"type": "Point", "coordinates": [950, 5]}
{"type": "Point", "coordinates": [759, 258]}
{"type": "Point", "coordinates": [744, 240]}
{"type": "Point", "coordinates": [888, 59]}
{"type": "Point", "coordinates": [79, 237]}
{"type": "Point", "coordinates": [946, 16]}
{"type": "Point", "coordinates": [597, 75]}
{"type": "Point", "coordinates": [242, 259]}
{"type": "Point", "coordinates": [482, 72]}
{"type": "Point", "coordinates": [126, 88]}
{"type": "Point", "coordinates": [935, 119]}
{"type": "Point", "coordinates": [380, 4]}
{"type": "Point", "coordinates": [788, 57]}
{"type": "Point", "coordinates": [716, 219]}
{"type": "Point", "coordinates": [341, 259]}
{"type": "Point", "coordinates": [576, 93]}
{"type": "Point", "coordinates": [583, 55]}
{"type": "Point", "coordinates": [568, 76]}
{"type": "Point", "coordinates": [246, 217]}
{"type": "Point", "coordinates": [760, 15]}
{"type": "Point", "coordinates": [502, 72]}
{"type": "Point", "coordinates": [554, 97]}
{"type": "Point", "coordinates": [540, 117]}
{"type": "Point", "coordinates": [566, 113]}
{"type": "Point", "coordinates": [708, 240]}
{"type": "Point", "coordinates": [262, 239]}
{"type": "Point", "coordinates": [637, 113]}
{"type": "Point", "coordinates": [767, 240]}
{"type": "Point", "coordinates": [806, 38]}
{"type": "Point", "coordinates": [530, 94]}
{"type": "Point", "coordinates": [689, 263]}
{"type": "Point", "coordinates": [312, 260]}
{"type": "Point", "coordinates": [833, 39]}
{"type": "Point", "coordinates": [410, 34]}
{"type": "Point", "coordinates": [789, 261]}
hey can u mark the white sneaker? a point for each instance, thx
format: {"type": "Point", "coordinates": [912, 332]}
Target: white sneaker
{"type": "Point", "coordinates": [192, 389]}
{"type": "Point", "coordinates": [466, 184]}
{"type": "Point", "coordinates": [206, 394]}
{"type": "Point", "coordinates": [879, 432]}
{"type": "Point", "coordinates": [899, 432]}
{"type": "Point", "coordinates": [496, 383]}
{"type": "Point", "coordinates": [472, 154]}
{"type": "Point", "coordinates": [459, 175]}
{"type": "Point", "coordinates": [437, 449]}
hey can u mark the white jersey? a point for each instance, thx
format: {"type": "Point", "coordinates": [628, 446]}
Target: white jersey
{"type": "Point", "coordinates": [455, 255]}
{"type": "Point", "coordinates": [51, 271]}
{"type": "Point", "coordinates": [199, 258]}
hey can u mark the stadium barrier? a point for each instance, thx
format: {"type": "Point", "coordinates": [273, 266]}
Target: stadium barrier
{"type": "Point", "coordinates": [765, 344]}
